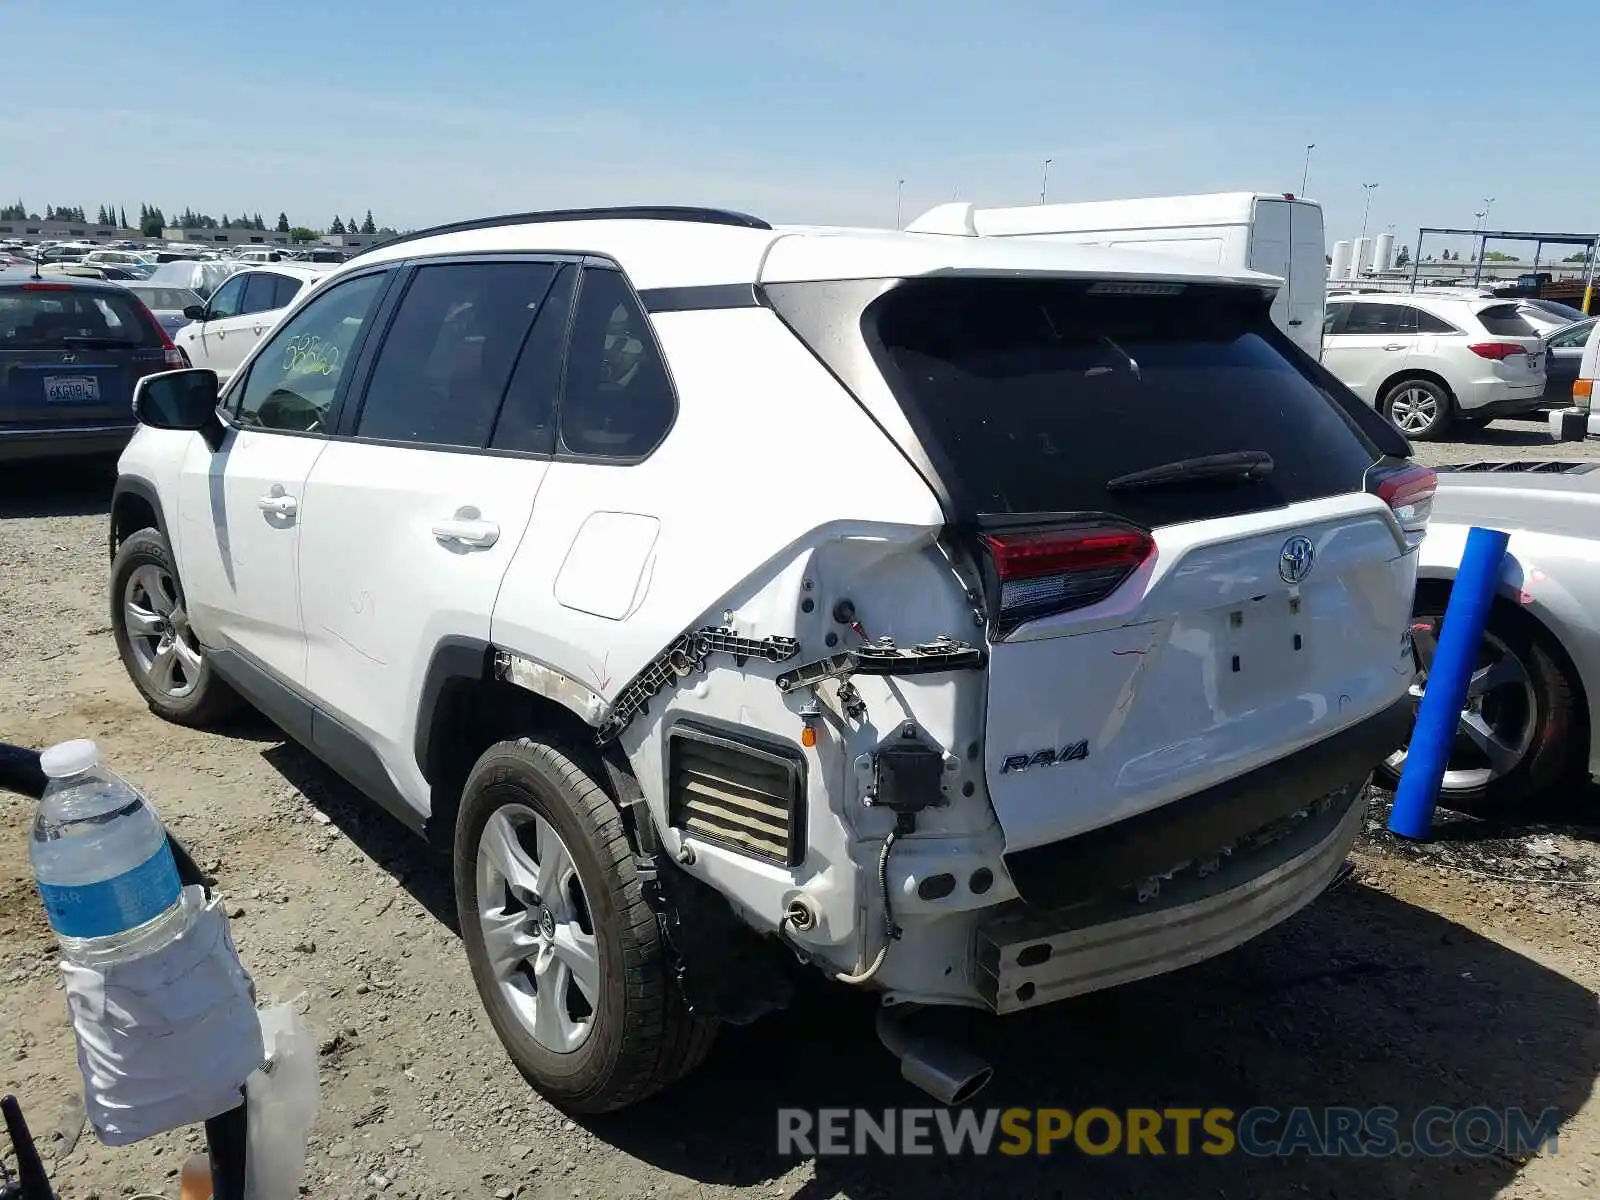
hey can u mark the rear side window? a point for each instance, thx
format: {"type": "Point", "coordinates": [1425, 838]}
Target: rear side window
{"type": "Point", "coordinates": [287, 289]}
{"type": "Point", "coordinates": [1426, 322]}
{"type": "Point", "coordinates": [59, 320]}
{"type": "Point", "coordinates": [1503, 320]}
{"type": "Point", "coordinates": [447, 357]}
{"type": "Point", "coordinates": [1375, 318]}
{"type": "Point", "coordinates": [618, 401]}
{"type": "Point", "coordinates": [260, 293]}
{"type": "Point", "coordinates": [1030, 396]}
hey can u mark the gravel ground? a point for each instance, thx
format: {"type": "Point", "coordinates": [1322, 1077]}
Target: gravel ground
{"type": "Point", "coordinates": [1504, 440]}
{"type": "Point", "coordinates": [1462, 973]}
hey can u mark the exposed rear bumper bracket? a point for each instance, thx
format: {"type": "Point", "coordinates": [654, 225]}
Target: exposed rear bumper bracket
{"type": "Point", "coordinates": [884, 658]}
{"type": "Point", "coordinates": [1123, 854]}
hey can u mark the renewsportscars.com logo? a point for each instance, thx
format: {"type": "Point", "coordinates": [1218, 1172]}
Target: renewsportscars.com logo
{"type": "Point", "coordinates": [1436, 1132]}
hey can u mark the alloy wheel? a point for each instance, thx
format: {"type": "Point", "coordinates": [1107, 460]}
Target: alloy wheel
{"type": "Point", "coordinates": [164, 646]}
{"type": "Point", "coordinates": [1496, 727]}
{"type": "Point", "coordinates": [538, 935]}
{"type": "Point", "coordinates": [1413, 409]}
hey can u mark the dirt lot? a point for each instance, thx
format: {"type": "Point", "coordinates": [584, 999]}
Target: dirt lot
{"type": "Point", "coordinates": [1461, 973]}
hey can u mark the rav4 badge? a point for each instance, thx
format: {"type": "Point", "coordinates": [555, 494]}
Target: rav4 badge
{"type": "Point", "coordinates": [1072, 752]}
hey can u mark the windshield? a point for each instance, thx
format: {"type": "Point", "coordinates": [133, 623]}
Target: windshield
{"type": "Point", "coordinates": [55, 319]}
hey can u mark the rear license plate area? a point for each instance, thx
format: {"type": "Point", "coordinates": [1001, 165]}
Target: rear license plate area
{"type": "Point", "coordinates": [71, 389]}
{"type": "Point", "coordinates": [1262, 650]}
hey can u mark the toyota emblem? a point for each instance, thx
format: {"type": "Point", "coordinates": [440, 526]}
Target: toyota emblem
{"type": "Point", "coordinates": [1295, 559]}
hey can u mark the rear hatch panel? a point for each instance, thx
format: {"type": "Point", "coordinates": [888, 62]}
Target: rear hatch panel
{"type": "Point", "coordinates": [1027, 399]}
{"type": "Point", "coordinates": [1203, 665]}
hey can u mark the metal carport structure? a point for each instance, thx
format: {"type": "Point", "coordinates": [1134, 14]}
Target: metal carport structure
{"type": "Point", "coordinates": [1484, 236]}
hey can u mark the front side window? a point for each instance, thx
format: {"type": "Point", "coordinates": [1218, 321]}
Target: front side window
{"type": "Point", "coordinates": [447, 357]}
{"type": "Point", "coordinates": [228, 300]}
{"type": "Point", "coordinates": [293, 381]}
{"type": "Point", "coordinates": [618, 401]}
{"type": "Point", "coordinates": [1572, 336]}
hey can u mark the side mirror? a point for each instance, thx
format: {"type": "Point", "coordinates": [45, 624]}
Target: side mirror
{"type": "Point", "coordinates": [195, 312]}
{"type": "Point", "coordinates": [184, 399]}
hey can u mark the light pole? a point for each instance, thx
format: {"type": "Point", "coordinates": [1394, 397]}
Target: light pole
{"type": "Point", "coordinates": [1367, 212]}
{"type": "Point", "coordinates": [899, 195]}
{"type": "Point", "coordinates": [1306, 174]}
{"type": "Point", "coordinates": [1488, 203]}
{"type": "Point", "coordinates": [1044, 180]}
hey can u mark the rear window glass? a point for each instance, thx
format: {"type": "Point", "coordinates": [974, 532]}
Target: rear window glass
{"type": "Point", "coordinates": [55, 320]}
{"type": "Point", "coordinates": [1503, 320]}
{"type": "Point", "coordinates": [1031, 395]}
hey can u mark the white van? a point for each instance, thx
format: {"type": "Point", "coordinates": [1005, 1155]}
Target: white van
{"type": "Point", "coordinates": [1277, 234]}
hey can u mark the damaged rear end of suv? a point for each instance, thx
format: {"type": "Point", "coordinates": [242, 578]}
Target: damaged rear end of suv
{"type": "Point", "coordinates": [1176, 568]}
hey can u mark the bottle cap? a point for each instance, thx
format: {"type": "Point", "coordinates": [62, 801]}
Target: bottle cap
{"type": "Point", "coordinates": [69, 758]}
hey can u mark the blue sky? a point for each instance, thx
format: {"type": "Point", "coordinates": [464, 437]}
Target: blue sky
{"type": "Point", "coordinates": [796, 112]}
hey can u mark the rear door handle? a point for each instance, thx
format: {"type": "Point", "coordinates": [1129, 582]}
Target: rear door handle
{"type": "Point", "coordinates": [1297, 321]}
{"type": "Point", "coordinates": [256, 329]}
{"type": "Point", "coordinates": [467, 532]}
{"type": "Point", "coordinates": [1394, 346]}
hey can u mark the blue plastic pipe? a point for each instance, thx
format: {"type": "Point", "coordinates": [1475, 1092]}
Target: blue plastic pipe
{"type": "Point", "coordinates": [1471, 597]}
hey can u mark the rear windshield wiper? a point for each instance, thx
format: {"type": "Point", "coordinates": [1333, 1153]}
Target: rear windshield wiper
{"type": "Point", "coordinates": [1239, 465]}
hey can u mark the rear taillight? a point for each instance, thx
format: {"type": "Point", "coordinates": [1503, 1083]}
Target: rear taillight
{"type": "Point", "coordinates": [1498, 351]}
{"type": "Point", "coordinates": [1043, 572]}
{"type": "Point", "coordinates": [1582, 393]}
{"type": "Point", "coordinates": [1408, 491]}
{"type": "Point", "coordinates": [172, 356]}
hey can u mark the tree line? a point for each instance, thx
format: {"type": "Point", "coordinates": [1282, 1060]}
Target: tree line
{"type": "Point", "coordinates": [153, 220]}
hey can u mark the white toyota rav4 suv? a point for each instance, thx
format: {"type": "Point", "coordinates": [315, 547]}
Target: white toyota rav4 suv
{"type": "Point", "coordinates": [977, 621]}
{"type": "Point", "coordinates": [1428, 361]}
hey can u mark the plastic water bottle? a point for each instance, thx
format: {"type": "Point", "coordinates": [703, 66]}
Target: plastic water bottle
{"type": "Point", "coordinates": [102, 862]}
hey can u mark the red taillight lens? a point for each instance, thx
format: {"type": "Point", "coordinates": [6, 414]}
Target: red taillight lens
{"type": "Point", "coordinates": [173, 356]}
{"type": "Point", "coordinates": [1498, 351]}
{"type": "Point", "coordinates": [1040, 573]}
{"type": "Point", "coordinates": [1408, 491]}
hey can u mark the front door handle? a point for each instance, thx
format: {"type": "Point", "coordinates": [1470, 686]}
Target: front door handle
{"type": "Point", "coordinates": [1297, 321]}
{"type": "Point", "coordinates": [1394, 346]}
{"type": "Point", "coordinates": [257, 329]}
{"type": "Point", "coordinates": [467, 531]}
{"type": "Point", "coordinates": [282, 506]}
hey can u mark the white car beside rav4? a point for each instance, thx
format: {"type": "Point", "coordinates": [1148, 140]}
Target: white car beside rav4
{"type": "Point", "coordinates": [702, 588]}
{"type": "Point", "coordinates": [225, 328]}
{"type": "Point", "coordinates": [1430, 361]}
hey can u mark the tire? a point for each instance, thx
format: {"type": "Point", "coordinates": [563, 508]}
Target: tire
{"type": "Point", "coordinates": [161, 654]}
{"type": "Point", "coordinates": [612, 1027]}
{"type": "Point", "coordinates": [1419, 408]}
{"type": "Point", "coordinates": [1537, 716]}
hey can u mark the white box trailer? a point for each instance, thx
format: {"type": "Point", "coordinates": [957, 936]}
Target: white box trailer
{"type": "Point", "coordinates": [1277, 234]}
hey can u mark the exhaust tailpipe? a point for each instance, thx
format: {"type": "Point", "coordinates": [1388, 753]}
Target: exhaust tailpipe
{"type": "Point", "coordinates": [947, 1072]}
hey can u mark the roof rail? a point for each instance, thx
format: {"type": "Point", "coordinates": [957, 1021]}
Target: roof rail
{"type": "Point", "coordinates": [658, 212]}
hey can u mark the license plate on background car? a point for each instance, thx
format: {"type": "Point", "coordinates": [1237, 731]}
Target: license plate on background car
{"type": "Point", "coordinates": [68, 389]}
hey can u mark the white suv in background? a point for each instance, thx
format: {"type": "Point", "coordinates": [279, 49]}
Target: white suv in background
{"type": "Point", "coordinates": [233, 321]}
{"type": "Point", "coordinates": [1427, 361]}
{"type": "Point", "coordinates": [1072, 674]}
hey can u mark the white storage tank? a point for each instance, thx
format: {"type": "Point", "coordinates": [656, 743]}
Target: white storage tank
{"type": "Point", "coordinates": [1383, 252]}
{"type": "Point", "coordinates": [1340, 269]}
{"type": "Point", "coordinates": [1360, 257]}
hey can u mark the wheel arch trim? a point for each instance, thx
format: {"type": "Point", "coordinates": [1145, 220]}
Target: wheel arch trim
{"type": "Point", "coordinates": [140, 488]}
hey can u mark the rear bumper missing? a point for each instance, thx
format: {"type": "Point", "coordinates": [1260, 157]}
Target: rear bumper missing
{"type": "Point", "coordinates": [1029, 958]}
{"type": "Point", "coordinates": [1098, 862]}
